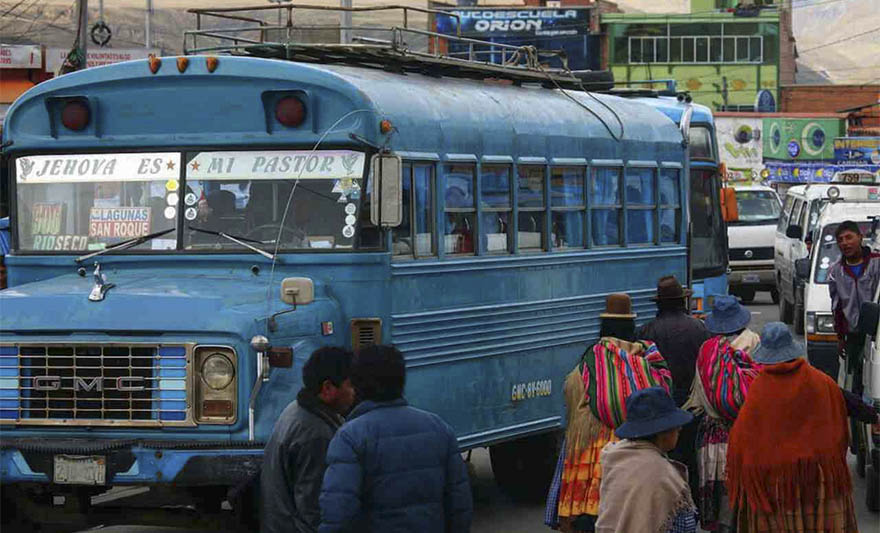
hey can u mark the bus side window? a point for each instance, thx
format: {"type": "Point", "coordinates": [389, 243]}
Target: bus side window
{"type": "Point", "coordinates": [605, 205]}
{"type": "Point", "coordinates": [670, 205]}
{"type": "Point", "coordinates": [414, 236]}
{"type": "Point", "coordinates": [640, 205]}
{"type": "Point", "coordinates": [460, 209]}
{"type": "Point", "coordinates": [567, 202]}
{"type": "Point", "coordinates": [530, 201]}
{"type": "Point", "coordinates": [495, 218]}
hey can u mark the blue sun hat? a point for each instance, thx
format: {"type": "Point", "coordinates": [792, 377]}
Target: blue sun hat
{"type": "Point", "coordinates": [650, 411]}
{"type": "Point", "coordinates": [727, 316]}
{"type": "Point", "coordinates": [777, 345]}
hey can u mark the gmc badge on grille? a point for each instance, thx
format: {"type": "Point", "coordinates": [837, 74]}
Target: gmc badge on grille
{"type": "Point", "coordinates": [123, 384]}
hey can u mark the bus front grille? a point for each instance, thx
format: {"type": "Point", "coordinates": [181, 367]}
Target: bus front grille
{"type": "Point", "coordinates": [95, 384]}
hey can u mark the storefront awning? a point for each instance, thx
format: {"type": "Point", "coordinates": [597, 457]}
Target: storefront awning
{"type": "Point", "coordinates": [12, 88]}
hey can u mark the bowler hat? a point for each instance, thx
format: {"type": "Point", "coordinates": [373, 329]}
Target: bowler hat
{"type": "Point", "coordinates": [727, 316]}
{"type": "Point", "coordinates": [650, 411]}
{"type": "Point", "coordinates": [618, 305]}
{"type": "Point", "coordinates": [777, 345]}
{"type": "Point", "coordinates": [669, 288]}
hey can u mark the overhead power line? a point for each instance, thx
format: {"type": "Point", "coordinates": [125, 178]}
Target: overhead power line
{"type": "Point", "coordinates": [832, 43]}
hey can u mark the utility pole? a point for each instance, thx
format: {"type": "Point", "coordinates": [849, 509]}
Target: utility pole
{"type": "Point", "coordinates": [724, 92]}
{"type": "Point", "coordinates": [345, 22]}
{"type": "Point", "coordinates": [82, 11]}
{"type": "Point", "coordinates": [148, 23]}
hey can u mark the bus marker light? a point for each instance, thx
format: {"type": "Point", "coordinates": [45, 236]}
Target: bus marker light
{"type": "Point", "coordinates": [155, 63]}
{"type": "Point", "coordinates": [211, 62]}
{"type": "Point", "coordinates": [385, 126]}
{"type": "Point", "coordinates": [290, 111]}
{"type": "Point", "coordinates": [75, 115]}
{"type": "Point", "coordinates": [182, 63]}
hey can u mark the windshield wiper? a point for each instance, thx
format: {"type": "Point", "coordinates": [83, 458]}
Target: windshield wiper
{"type": "Point", "coordinates": [124, 245]}
{"type": "Point", "coordinates": [237, 240]}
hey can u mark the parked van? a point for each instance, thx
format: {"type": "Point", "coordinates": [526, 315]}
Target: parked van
{"type": "Point", "coordinates": [751, 240]}
{"type": "Point", "coordinates": [813, 273]}
{"type": "Point", "coordinates": [797, 223]}
{"type": "Point", "coordinates": [868, 457]}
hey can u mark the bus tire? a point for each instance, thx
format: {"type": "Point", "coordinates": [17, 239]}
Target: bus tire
{"type": "Point", "coordinates": [524, 468]}
{"type": "Point", "coordinates": [872, 491]}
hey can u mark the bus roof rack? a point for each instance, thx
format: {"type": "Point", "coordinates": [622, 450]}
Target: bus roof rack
{"type": "Point", "coordinates": [382, 47]}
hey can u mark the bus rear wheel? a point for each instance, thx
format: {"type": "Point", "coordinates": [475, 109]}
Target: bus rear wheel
{"type": "Point", "coordinates": [524, 468]}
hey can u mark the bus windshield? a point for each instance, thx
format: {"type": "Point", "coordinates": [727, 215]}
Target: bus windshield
{"type": "Point", "coordinates": [89, 202]}
{"type": "Point", "coordinates": [829, 252]}
{"type": "Point", "coordinates": [708, 249]}
{"type": "Point", "coordinates": [757, 207]}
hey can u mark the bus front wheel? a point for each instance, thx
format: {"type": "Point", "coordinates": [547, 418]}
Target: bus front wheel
{"type": "Point", "coordinates": [524, 468]}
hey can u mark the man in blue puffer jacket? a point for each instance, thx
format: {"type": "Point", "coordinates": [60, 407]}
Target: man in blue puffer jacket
{"type": "Point", "coordinates": [391, 467]}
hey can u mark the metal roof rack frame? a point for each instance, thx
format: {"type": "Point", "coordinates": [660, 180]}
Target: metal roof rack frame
{"type": "Point", "coordinates": [519, 64]}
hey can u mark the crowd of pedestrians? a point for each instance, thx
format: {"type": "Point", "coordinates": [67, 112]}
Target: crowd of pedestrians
{"type": "Point", "coordinates": [680, 425]}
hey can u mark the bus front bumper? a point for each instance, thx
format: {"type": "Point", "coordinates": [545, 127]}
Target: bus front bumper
{"type": "Point", "coordinates": [125, 462]}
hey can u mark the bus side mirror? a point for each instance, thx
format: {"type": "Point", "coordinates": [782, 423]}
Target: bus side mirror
{"type": "Point", "coordinates": [386, 207]}
{"type": "Point", "coordinates": [729, 209]}
{"type": "Point", "coordinates": [869, 316]}
{"type": "Point", "coordinates": [802, 268]}
{"type": "Point", "coordinates": [794, 232]}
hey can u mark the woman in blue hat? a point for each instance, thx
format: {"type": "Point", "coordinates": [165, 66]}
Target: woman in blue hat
{"type": "Point", "coordinates": [724, 371]}
{"type": "Point", "coordinates": [642, 489]}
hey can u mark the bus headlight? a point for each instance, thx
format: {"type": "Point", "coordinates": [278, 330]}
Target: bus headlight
{"type": "Point", "coordinates": [216, 387]}
{"type": "Point", "coordinates": [217, 371]}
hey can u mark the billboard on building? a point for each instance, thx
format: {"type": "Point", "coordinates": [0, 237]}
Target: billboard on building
{"type": "Point", "coordinates": [801, 139]}
{"type": "Point", "coordinates": [740, 147]}
{"type": "Point", "coordinates": [565, 29]}
{"type": "Point", "coordinates": [21, 56]}
{"type": "Point", "coordinates": [851, 150]}
{"type": "Point", "coordinates": [97, 57]}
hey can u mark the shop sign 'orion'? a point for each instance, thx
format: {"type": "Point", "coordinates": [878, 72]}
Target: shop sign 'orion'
{"type": "Point", "coordinates": [53, 383]}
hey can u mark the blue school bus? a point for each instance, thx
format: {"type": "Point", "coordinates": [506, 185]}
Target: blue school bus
{"type": "Point", "coordinates": [186, 231]}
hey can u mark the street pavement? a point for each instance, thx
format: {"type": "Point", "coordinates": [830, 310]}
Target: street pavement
{"type": "Point", "coordinates": [495, 512]}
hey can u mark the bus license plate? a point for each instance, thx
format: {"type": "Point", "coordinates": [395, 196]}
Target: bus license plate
{"type": "Point", "coordinates": [80, 469]}
{"type": "Point", "coordinates": [751, 278]}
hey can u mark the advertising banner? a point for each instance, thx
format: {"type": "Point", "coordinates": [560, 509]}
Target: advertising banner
{"type": "Point", "coordinates": [280, 165]}
{"type": "Point", "coordinates": [485, 23]}
{"type": "Point", "coordinates": [97, 167]}
{"type": "Point", "coordinates": [20, 56]}
{"type": "Point", "coordinates": [864, 150]}
{"type": "Point", "coordinates": [98, 57]}
{"type": "Point", "coordinates": [811, 172]}
{"type": "Point", "coordinates": [740, 147]}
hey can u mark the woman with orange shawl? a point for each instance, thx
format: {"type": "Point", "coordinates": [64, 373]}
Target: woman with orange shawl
{"type": "Point", "coordinates": [786, 460]}
{"type": "Point", "coordinates": [595, 395]}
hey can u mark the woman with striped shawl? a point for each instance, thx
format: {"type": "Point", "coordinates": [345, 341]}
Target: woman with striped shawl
{"type": "Point", "coordinates": [724, 372]}
{"type": "Point", "coordinates": [595, 395]}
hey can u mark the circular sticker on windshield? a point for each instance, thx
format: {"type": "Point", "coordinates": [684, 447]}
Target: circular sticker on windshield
{"type": "Point", "coordinates": [350, 220]}
{"type": "Point", "coordinates": [173, 198]}
{"type": "Point", "coordinates": [172, 185]}
{"type": "Point", "coordinates": [191, 213]}
{"type": "Point", "coordinates": [350, 209]}
{"type": "Point", "coordinates": [348, 232]}
{"type": "Point", "coordinates": [829, 238]}
{"type": "Point", "coordinates": [191, 198]}
{"type": "Point", "coordinates": [170, 212]}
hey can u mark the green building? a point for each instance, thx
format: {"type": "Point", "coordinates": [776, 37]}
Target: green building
{"type": "Point", "coordinates": [723, 57]}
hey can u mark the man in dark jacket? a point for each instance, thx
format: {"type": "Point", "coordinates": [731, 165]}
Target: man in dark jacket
{"type": "Point", "coordinates": [294, 458]}
{"type": "Point", "coordinates": [392, 467]}
{"type": "Point", "coordinates": [678, 336]}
